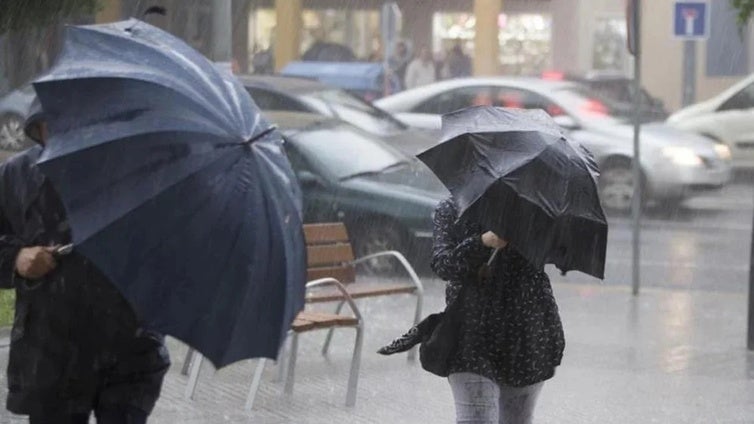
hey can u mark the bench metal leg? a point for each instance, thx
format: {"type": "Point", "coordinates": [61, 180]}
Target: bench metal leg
{"type": "Point", "coordinates": [281, 361]}
{"type": "Point", "coordinates": [417, 318]}
{"type": "Point", "coordinates": [196, 367]}
{"type": "Point", "coordinates": [255, 384]}
{"type": "Point", "coordinates": [187, 361]}
{"type": "Point", "coordinates": [291, 371]}
{"type": "Point", "coordinates": [328, 339]}
{"type": "Point", "coordinates": [353, 375]}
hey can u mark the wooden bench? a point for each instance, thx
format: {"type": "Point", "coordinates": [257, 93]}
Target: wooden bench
{"type": "Point", "coordinates": [330, 255]}
{"type": "Point", "coordinates": [304, 322]}
{"type": "Point", "coordinates": [332, 278]}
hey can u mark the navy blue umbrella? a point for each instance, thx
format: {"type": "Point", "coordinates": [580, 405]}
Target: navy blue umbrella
{"type": "Point", "coordinates": [176, 188]}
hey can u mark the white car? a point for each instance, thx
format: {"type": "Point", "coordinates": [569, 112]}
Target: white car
{"type": "Point", "coordinates": [727, 118]}
{"type": "Point", "coordinates": [675, 163]}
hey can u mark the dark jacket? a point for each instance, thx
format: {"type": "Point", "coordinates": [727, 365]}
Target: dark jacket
{"type": "Point", "coordinates": [75, 341]}
{"type": "Point", "coordinates": [511, 331]}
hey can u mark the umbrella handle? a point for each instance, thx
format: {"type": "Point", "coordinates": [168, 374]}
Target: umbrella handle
{"type": "Point", "coordinates": [492, 257]}
{"type": "Point", "coordinates": [63, 251]}
{"type": "Point", "coordinates": [484, 271]}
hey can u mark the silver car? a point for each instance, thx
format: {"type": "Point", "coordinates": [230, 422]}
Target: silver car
{"type": "Point", "coordinates": [13, 110]}
{"type": "Point", "coordinates": [675, 163]}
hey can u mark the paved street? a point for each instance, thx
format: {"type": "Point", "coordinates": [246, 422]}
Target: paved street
{"type": "Point", "coordinates": [705, 245]}
{"type": "Point", "coordinates": [670, 356]}
{"type": "Point", "coordinates": [676, 354]}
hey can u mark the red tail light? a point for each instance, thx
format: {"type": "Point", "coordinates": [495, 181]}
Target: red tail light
{"type": "Point", "coordinates": [595, 107]}
{"type": "Point", "coordinates": [553, 75]}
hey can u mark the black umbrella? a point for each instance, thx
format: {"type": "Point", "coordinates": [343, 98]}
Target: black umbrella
{"type": "Point", "coordinates": [323, 51]}
{"type": "Point", "coordinates": [176, 188]}
{"type": "Point", "coordinates": [515, 172]}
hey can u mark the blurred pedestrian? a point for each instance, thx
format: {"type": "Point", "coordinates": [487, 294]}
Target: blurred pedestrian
{"type": "Point", "coordinates": [76, 345]}
{"type": "Point", "coordinates": [439, 65]}
{"type": "Point", "coordinates": [263, 61]}
{"type": "Point", "coordinates": [511, 338]}
{"type": "Point", "coordinates": [457, 63]}
{"type": "Point", "coordinates": [399, 61]}
{"type": "Point", "coordinates": [421, 70]}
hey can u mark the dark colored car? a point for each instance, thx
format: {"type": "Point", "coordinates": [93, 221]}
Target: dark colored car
{"type": "Point", "coordinates": [616, 91]}
{"type": "Point", "coordinates": [385, 198]}
{"type": "Point", "coordinates": [279, 93]}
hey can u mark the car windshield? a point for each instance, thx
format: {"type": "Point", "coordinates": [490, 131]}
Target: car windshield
{"type": "Point", "coordinates": [354, 110]}
{"type": "Point", "coordinates": [346, 152]}
{"type": "Point", "coordinates": [586, 105]}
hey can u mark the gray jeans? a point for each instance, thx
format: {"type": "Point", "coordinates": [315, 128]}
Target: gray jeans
{"type": "Point", "coordinates": [480, 400]}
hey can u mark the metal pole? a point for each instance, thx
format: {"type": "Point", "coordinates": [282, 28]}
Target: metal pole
{"type": "Point", "coordinates": [750, 342]}
{"type": "Point", "coordinates": [637, 203]}
{"type": "Point", "coordinates": [689, 72]}
{"type": "Point", "coordinates": [222, 27]}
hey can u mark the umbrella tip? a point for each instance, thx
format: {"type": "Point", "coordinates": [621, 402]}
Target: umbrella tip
{"type": "Point", "coordinates": [153, 10]}
{"type": "Point", "coordinates": [156, 10]}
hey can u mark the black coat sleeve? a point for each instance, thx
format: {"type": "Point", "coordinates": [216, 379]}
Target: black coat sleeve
{"type": "Point", "coordinates": [10, 245]}
{"type": "Point", "coordinates": [454, 258]}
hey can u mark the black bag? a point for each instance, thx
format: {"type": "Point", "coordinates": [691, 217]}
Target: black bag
{"type": "Point", "coordinates": [439, 344]}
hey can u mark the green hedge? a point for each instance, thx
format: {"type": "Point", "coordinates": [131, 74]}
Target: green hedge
{"type": "Point", "coordinates": [7, 299]}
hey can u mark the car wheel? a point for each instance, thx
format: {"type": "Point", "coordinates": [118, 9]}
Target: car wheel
{"type": "Point", "coordinates": [12, 137]}
{"type": "Point", "coordinates": [379, 236]}
{"type": "Point", "coordinates": [616, 183]}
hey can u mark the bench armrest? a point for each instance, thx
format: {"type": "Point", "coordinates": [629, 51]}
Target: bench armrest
{"type": "Point", "coordinates": [400, 258]}
{"type": "Point", "coordinates": [341, 288]}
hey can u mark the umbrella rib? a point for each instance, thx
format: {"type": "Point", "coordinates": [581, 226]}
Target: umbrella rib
{"type": "Point", "coordinates": [159, 245]}
{"type": "Point", "coordinates": [126, 213]}
{"type": "Point", "coordinates": [225, 268]}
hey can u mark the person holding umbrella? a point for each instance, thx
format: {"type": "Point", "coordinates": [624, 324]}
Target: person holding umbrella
{"type": "Point", "coordinates": [511, 338]}
{"type": "Point", "coordinates": [76, 345]}
{"type": "Point", "coordinates": [522, 196]}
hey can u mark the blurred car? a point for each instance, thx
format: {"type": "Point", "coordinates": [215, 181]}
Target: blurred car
{"type": "Point", "coordinates": [14, 107]}
{"type": "Point", "coordinates": [385, 198]}
{"type": "Point", "coordinates": [279, 93]}
{"type": "Point", "coordinates": [616, 90]}
{"type": "Point", "coordinates": [726, 118]}
{"type": "Point", "coordinates": [675, 164]}
{"type": "Point", "coordinates": [363, 79]}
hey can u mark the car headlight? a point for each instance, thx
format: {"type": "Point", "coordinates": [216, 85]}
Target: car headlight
{"type": "Point", "coordinates": [723, 151]}
{"type": "Point", "coordinates": [683, 156]}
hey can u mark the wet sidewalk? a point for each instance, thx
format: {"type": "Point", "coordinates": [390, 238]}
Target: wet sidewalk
{"type": "Point", "coordinates": [666, 357]}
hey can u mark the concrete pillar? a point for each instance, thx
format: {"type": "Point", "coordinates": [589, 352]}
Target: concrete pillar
{"type": "Point", "coordinates": [111, 11]}
{"type": "Point", "coordinates": [287, 32]}
{"type": "Point", "coordinates": [241, 12]}
{"type": "Point", "coordinates": [486, 44]}
{"type": "Point", "coordinates": [566, 36]}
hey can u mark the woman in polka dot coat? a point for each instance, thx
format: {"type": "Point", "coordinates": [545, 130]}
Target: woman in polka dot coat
{"type": "Point", "coordinates": [511, 337]}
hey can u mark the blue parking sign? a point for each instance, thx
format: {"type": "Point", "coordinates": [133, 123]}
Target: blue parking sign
{"type": "Point", "coordinates": [691, 19]}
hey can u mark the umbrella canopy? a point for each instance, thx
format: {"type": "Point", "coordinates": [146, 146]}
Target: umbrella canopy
{"type": "Point", "coordinates": [514, 172]}
{"type": "Point", "coordinates": [323, 51]}
{"type": "Point", "coordinates": [176, 188]}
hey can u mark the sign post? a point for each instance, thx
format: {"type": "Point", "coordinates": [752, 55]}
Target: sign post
{"type": "Point", "coordinates": [633, 19]}
{"type": "Point", "coordinates": [390, 27]}
{"type": "Point", "coordinates": [691, 23]}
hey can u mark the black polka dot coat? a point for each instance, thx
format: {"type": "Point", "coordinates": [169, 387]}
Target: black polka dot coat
{"type": "Point", "coordinates": [511, 332]}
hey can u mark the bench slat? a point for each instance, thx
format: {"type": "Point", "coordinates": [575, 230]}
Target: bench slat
{"type": "Point", "coordinates": [308, 320]}
{"type": "Point", "coordinates": [324, 233]}
{"type": "Point", "coordinates": [324, 255]}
